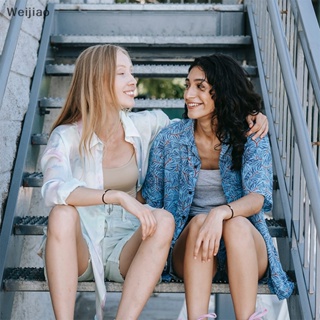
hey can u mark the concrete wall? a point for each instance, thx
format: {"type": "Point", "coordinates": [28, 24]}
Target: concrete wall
{"type": "Point", "coordinates": [12, 112]}
{"type": "Point", "coordinates": [16, 98]}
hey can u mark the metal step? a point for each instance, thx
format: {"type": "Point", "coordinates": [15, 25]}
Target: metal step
{"type": "Point", "coordinates": [39, 139]}
{"type": "Point", "coordinates": [139, 70]}
{"type": "Point", "coordinates": [129, 41]}
{"type": "Point", "coordinates": [33, 225]}
{"type": "Point", "coordinates": [161, 20]}
{"type": "Point", "coordinates": [191, 7]}
{"type": "Point", "coordinates": [57, 103]}
{"type": "Point", "coordinates": [32, 279]}
{"type": "Point", "coordinates": [145, 48]}
{"type": "Point", "coordinates": [153, 70]}
{"type": "Point", "coordinates": [30, 225]}
{"type": "Point", "coordinates": [32, 180]}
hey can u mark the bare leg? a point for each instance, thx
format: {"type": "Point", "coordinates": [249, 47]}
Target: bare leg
{"type": "Point", "coordinates": [197, 275]}
{"type": "Point", "coordinates": [141, 263]}
{"type": "Point", "coordinates": [247, 263]}
{"type": "Point", "coordinates": [67, 257]}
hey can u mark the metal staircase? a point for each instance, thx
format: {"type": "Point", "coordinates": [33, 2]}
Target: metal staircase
{"type": "Point", "coordinates": [162, 39]}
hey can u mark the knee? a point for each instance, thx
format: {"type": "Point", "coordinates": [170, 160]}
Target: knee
{"type": "Point", "coordinates": [165, 222]}
{"type": "Point", "coordinates": [196, 223]}
{"type": "Point", "coordinates": [62, 220]}
{"type": "Point", "coordinates": [237, 231]}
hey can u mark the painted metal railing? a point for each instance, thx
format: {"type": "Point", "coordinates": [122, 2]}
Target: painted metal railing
{"type": "Point", "coordinates": [286, 37]}
{"type": "Point", "coordinates": [9, 47]}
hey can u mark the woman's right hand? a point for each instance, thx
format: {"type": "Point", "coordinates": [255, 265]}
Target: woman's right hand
{"type": "Point", "coordinates": [208, 239]}
{"type": "Point", "coordinates": [143, 213]}
{"type": "Point", "coordinates": [209, 236]}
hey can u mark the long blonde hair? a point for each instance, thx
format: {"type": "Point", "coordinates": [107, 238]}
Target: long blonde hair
{"type": "Point", "coordinates": [91, 87]}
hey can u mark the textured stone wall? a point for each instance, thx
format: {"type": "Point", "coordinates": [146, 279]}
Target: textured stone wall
{"type": "Point", "coordinates": [12, 112]}
{"type": "Point", "coordinates": [16, 98]}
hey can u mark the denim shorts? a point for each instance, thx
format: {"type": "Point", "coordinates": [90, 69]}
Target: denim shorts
{"type": "Point", "coordinates": [120, 225]}
{"type": "Point", "coordinates": [221, 260]}
{"type": "Point", "coordinates": [221, 274]}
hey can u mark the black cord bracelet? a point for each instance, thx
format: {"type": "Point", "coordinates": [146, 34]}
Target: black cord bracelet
{"type": "Point", "coordinates": [232, 212]}
{"type": "Point", "coordinates": [104, 195]}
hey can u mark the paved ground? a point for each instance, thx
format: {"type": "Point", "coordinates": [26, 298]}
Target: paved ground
{"type": "Point", "coordinates": [167, 306]}
{"type": "Point", "coordinates": [163, 306]}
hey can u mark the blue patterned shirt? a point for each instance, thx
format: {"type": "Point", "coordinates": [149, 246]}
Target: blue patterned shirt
{"type": "Point", "coordinates": [174, 166]}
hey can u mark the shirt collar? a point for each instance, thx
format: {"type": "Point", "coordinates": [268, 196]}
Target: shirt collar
{"type": "Point", "coordinates": [187, 137]}
{"type": "Point", "coordinates": [128, 125]}
{"type": "Point", "coordinates": [187, 132]}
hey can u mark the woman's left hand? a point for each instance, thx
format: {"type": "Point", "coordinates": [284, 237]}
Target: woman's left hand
{"type": "Point", "coordinates": [258, 124]}
{"type": "Point", "coordinates": [209, 236]}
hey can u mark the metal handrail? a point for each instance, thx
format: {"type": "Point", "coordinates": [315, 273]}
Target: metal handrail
{"type": "Point", "coordinates": [287, 44]}
{"type": "Point", "coordinates": [310, 42]}
{"type": "Point", "coordinates": [303, 139]}
{"type": "Point", "coordinates": [275, 151]}
{"type": "Point", "coordinates": [9, 47]}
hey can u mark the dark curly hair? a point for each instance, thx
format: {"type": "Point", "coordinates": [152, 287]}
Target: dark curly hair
{"type": "Point", "coordinates": [234, 98]}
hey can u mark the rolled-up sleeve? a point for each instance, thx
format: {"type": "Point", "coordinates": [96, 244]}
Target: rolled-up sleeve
{"type": "Point", "coordinates": [257, 173]}
{"type": "Point", "coordinates": [58, 180]}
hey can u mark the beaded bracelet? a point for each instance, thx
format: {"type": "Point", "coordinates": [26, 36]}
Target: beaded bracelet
{"type": "Point", "coordinates": [232, 212]}
{"type": "Point", "coordinates": [104, 195]}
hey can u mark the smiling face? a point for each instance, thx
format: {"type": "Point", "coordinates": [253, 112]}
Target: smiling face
{"type": "Point", "coordinates": [197, 95]}
{"type": "Point", "coordinates": [125, 83]}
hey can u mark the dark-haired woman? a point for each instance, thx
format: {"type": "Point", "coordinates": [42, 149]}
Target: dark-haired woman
{"type": "Point", "coordinates": [217, 182]}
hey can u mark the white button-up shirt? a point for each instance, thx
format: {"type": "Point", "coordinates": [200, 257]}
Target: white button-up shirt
{"type": "Point", "coordinates": [64, 170]}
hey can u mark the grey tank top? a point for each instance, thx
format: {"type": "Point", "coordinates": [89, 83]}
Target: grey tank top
{"type": "Point", "coordinates": [208, 193]}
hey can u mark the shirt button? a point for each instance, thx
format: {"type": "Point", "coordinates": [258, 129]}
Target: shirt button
{"type": "Point", "coordinates": [190, 192]}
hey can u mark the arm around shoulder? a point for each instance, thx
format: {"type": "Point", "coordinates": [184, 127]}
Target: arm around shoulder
{"type": "Point", "coordinates": [257, 171]}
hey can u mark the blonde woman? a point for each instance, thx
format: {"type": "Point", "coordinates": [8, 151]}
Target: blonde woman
{"type": "Point", "coordinates": [93, 167]}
